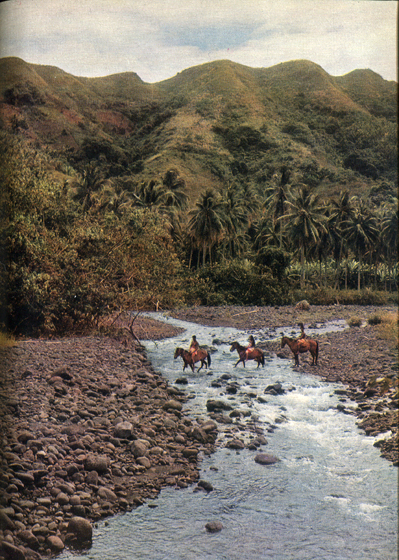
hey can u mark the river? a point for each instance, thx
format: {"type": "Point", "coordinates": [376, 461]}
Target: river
{"type": "Point", "coordinates": [330, 497]}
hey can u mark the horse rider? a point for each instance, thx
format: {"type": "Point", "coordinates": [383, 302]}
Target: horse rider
{"type": "Point", "coordinates": [250, 346]}
{"type": "Point", "coordinates": [302, 335]}
{"type": "Point", "coordinates": [194, 346]}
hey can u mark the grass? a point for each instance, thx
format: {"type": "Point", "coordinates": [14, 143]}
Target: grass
{"type": "Point", "coordinates": [388, 327]}
{"type": "Point", "coordinates": [6, 341]}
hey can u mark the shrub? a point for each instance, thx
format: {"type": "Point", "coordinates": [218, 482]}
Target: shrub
{"type": "Point", "coordinates": [374, 319]}
{"type": "Point", "coordinates": [355, 322]}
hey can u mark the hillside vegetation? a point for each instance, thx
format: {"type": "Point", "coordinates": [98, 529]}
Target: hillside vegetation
{"type": "Point", "coordinates": [119, 193]}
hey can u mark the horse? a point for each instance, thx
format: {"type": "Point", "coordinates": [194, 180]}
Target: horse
{"type": "Point", "coordinates": [189, 359]}
{"type": "Point", "coordinates": [253, 354]}
{"type": "Point", "coordinates": [300, 346]}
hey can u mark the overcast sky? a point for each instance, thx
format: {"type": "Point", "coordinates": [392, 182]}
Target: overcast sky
{"type": "Point", "coordinates": [158, 38]}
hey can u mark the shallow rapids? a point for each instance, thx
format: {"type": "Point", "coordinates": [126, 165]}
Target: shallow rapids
{"type": "Point", "coordinates": [331, 496]}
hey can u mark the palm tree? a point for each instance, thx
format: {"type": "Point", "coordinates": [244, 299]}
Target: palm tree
{"type": "Point", "coordinates": [149, 195]}
{"type": "Point", "coordinates": [90, 182]}
{"type": "Point", "coordinates": [306, 221]}
{"type": "Point", "coordinates": [174, 190]}
{"type": "Point", "coordinates": [360, 231]}
{"type": "Point", "coordinates": [235, 221]}
{"type": "Point", "coordinates": [276, 196]}
{"type": "Point", "coordinates": [390, 234]}
{"type": "Point", "coordinates": [206, 223]}
{"type": "Point", "coordinates": [340, 211]}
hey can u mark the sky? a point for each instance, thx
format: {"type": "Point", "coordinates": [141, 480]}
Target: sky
{"type": "Point", "coordinates": [159, 38]}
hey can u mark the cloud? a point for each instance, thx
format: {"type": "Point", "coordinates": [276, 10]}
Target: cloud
{"type": "Point", "coordinates": [159, 38]}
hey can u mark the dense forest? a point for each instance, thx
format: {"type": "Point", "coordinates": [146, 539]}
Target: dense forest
{"type": "Point", "coordinates": [223, 185]}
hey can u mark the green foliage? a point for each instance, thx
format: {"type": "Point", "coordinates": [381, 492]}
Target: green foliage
{"type": "Point", "coordinates": [239, 283]}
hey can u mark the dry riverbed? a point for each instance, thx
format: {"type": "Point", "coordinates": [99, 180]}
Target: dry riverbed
{"type": "Point", "coordinates": [89, 429]}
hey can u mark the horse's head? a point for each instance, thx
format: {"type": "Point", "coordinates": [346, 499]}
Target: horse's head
{"type": "Point", "coordinates": [233, 347]}
{"type": "Point", "coordinates": [283, 341]}
{"type": "Point", "coordinates": [177, 353]}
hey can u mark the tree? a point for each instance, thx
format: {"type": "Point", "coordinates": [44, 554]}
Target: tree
{"type": "Point", "coordinates": [206, 222]}
{"type": "Point", "coordinates": [276, 197]}
{"type": "Point", "coordinates": [360, 230]}
{"type": "Point", "coordinates": [340, 211]}
{"type": "Point", "coordinates": [235, 221]}
{"type": "Point", "coordinates": [306, 221]}
{"type": "Point", "coordinates": [90, 182]}
{"type": "Point", "coordinates": [390, 234]}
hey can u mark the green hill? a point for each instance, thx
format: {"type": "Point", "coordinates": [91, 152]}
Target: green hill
{"type": "Point", "coordinates": [213, 123]}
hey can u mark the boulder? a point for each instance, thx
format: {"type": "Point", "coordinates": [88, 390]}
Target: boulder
{"type": "Point", "coordinates": [12, 552]}
{"type": "Point", "coordinates": [266, 459]}
{"type": "Point", "coordinates": [79, 532]}
{"type": "Point", "coordinates": [107, 494]}
{"type": "Point", "coordinates": [213, 405]}
{"type": "Point", "coordinates": [98, 463]}
{"type": "Point", "coordinates": [235, 444]}
{"type": "Point", "coordinates": [123, 430]}
{"type": "Point", "coordinates": [172, 405]}
{"type": "Point", "coordinates": [214, 526]}
{"type": "Point", "coordinates": [55, 543]}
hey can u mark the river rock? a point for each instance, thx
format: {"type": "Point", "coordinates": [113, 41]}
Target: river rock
{"type": "Point", "coordinates": [235, 444]}
{"type": "Point", "coordinates": [123, 430]}
{"type": "Point", "coordinates": [107, 494]}
{"type": "Point", "coordinates": [213, 405]}
{"type": "Point", "coordinates": [55, 543]}
{"type": "Point", "coordinates": [214, 526]}
{"type": "Point", "coordinates": [266, 459]}
{"type": "Point", "coordinates": [5, 521]}
{"type": "Point", "coordinates": [29, 538]}
{"type": "Point", "coordinates": [79, 532]}
{"type": "Point", "coordinates": [207, 486]}
{"type": "Point", "coordinates": [98, 463]}
{"type": "Point", "coordinates": [139, 447]}
{"type": "Point", "coordinates": [173, 405]}
{"type": "Point", "coordinates": [12, 552]}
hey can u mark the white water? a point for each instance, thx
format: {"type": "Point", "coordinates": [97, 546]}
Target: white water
{"type": "Point", "coordinates": [331, 496]}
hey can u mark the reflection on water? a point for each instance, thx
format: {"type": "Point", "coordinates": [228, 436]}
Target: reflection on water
{"type": "Point", "coordinates": [331, 497]}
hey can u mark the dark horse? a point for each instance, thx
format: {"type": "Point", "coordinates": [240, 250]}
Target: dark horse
{"type": "Point", "coordinates": [253, 354]}
{"type": "Point", "coordinates": [201, 355]}
{"type": "Point", "coordinates": [300, 346]}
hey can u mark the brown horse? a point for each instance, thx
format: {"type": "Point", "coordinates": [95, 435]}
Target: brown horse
{"type": "Point", "coordinates": [253, 354]}
{"type": "Point", "coordinates": [298, 346]}
{"type": "Point", "coordinates": [189, 359]}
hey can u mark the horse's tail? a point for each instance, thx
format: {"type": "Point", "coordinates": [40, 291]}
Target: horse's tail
{"type": "Point", "coordinates": [262, 359]}
{"type": "Point", "coordinates": [209, 359]}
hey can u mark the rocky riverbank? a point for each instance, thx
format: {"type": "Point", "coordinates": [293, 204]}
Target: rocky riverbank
{"type": "Point", "coordinates": [89, 429]}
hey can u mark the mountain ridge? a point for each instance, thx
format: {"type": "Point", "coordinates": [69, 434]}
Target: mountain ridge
{"type": "Point", "coordinates": [214, 123]}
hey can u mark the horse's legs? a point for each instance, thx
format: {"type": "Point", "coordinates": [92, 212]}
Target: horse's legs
{"type": "Point", "coordinates": [296, 359]}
